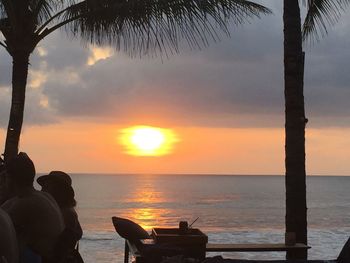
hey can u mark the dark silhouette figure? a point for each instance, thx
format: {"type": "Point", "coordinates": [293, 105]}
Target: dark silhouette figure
{"type": "Point", "coordinates": [4, 192]}
{"type": "Point", "coordinates": [35, 215]}
{"type": "Point", "coordinates": [8, 240]}
{"type": "Point", "coordinates": [5, 188]}
{"type": "Point", "coordinates": [59, 185]}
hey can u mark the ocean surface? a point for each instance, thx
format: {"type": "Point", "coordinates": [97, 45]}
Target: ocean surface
{"type": "Point", "coordinates": [237, 209]}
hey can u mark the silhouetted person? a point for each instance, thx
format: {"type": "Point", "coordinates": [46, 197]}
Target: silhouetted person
{"type": "Point", "coordinates": [8, 240]}
{"type": "Point", "coordinates": [36, 216]}
{"type": "Point", "coordinates": [5, 188]}
{"type": "Point", "coordinates": [59, 185]}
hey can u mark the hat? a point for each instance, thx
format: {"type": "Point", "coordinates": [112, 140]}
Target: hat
{"type": "Point", "coordinates": [61, 190]}
{"type": "Point", "coordinates": [55, 176]}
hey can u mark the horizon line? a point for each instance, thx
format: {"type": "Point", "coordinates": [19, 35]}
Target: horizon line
{"type": "Point", "coordinates": [190, 174]}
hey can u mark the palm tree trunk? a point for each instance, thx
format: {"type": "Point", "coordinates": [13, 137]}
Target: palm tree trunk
{"type": "Point", "coordinates": [296, 216]}
{"type": "Point", "coordinates": [19, 81]}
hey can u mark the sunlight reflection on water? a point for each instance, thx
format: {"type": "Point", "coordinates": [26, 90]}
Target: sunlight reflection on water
{"type": "Point", "coordinates": [145, 205]}
{"type": "Point", "coordinates": [230, 209]}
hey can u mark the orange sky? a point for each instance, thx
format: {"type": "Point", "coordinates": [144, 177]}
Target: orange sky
{"type": "Point", "coordinates": [76, 91]}
{"type": "Point", "coordinates": [93, 147]}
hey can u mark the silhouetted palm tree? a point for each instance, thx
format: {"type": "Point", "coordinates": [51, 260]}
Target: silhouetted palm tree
{"type": "Point", "coordinates": [137, 26]}
{"type": "Point", "coordinates": [294, 126]}
{"type": "Point", "coordinates": [321, 13]}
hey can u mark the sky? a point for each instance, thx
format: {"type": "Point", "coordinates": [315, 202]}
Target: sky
{"type": "Point", "coordinates": [225, 102]}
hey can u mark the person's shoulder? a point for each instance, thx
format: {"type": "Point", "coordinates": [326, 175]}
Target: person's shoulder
{"type": "Point", "coordinates": [43, 195]}
{"type": "Point", "coordinates": [48, 197]}
{"type": "Point", "coordinates": [35, 200]}
{"type": "Point", "coordinates": [8, 240]}
{"type": "Point", "coordinates": [70, 210]}
{"type": "Point", "coordinates": [69, 214]}
{"type": "Point", "coordinates": [44, 199]}
{"type": "Point", "coordinates": [6, 224]}
{"type": "Point", "coordinates": [39, 194]}
{"type": "Point", "coordinates": [4, 217]}
{"type": "Point", "coordinates": [72, 222]}
{"type": "Point", "coordinates": [9, 204]}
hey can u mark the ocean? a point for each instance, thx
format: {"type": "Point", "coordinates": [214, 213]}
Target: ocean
{"type": "Point", "coordinates": [230, 209]}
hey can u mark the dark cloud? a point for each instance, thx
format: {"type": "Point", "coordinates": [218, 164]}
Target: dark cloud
{"type": "Point", "coordinates": [62, 52]}
{"type": "Point", "coordinates": [5, 69]}
{"type": "Point", "coordinates": [4, 106]}
{"type": "Point", "coordinates": [327, 77]}
{"type": "Point", "coordinates": [195, 85]}
{"type": "Point", "coordinates": [35, 112]}
{"type": "Point", "coordinates": [223, 81]}
{"type": "Point", "coordinates": [235, 82]}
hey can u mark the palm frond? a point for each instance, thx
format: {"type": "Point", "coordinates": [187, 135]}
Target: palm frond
{"type": "Point", "coordinates": [322, 14]}
{"type": "Point", "coordinates": [4, 22]}
{"type": "Point", "coordinates": [2, 11]}
{"type": "Point", "coordinates": [43, 10]}
{"type": "Point", "coordinates": [6, 8]}
{"type": "Point", "coordinates": [150, 26]}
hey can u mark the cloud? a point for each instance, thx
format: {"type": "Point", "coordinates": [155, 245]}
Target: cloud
{"type": "Point", "coordinates": [216, 83]}
{"type": "Point", "coordinates": [36, 78]}
{"type": "Point", "coordinates": [327, 76]}
{"type": "Point", "coordinates": [4, 106]}
{"type": "Point", "coordinates": [36, 111]}
{"type": "Point", "coordinates": [5, 68]}
{"type": "Point", "coordinates": [98, 53]}
{"type": "Point", "coordinates": [235, 82]}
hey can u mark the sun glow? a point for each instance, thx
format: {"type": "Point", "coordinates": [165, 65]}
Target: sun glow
{"type": "Point", "coordinates": [147, 140]}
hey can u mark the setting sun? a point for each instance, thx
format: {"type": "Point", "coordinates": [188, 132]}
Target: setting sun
{"type": "Point", "coordinates": [147, 140]}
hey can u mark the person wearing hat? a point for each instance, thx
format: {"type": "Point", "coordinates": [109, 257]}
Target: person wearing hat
{"type": "Point", "coordinates": [37, 218]}
{"type": "Point", "coordinates": [59, 185]}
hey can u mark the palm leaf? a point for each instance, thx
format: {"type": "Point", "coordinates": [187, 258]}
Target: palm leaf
{"type": "Point", "coordinates": [148, 26]}
{"type": "Point", "coordinates": [42, 9]}
{"type": "Point", "coordinates": [322, 14]}
{"type": "Point", "coordinates": [2, 11]}
{"type": "Point", "coordinates": [45, 9]}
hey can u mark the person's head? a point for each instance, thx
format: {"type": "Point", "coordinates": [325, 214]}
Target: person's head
{"type": "Point", "coordinates": [59, 185]}
{"type": "Point", "coordinates": [21, 170]}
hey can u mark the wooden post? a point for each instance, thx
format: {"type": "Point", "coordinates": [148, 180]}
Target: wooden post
{"type": "Point", "coordinates": [126, 252]}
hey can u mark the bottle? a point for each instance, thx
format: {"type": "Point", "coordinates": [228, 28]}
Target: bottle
{"type": "Point", "coordinates": [183, 227]}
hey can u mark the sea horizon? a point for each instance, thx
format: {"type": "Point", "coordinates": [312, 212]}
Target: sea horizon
{"type": "Point", "coordinates": [231, 209]}
{"type": "Point", "coordinates": [191, 174]}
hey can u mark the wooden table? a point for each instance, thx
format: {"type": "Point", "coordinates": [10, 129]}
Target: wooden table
{"type": "Point", "coordinates": [254, 247]}
{"type": "Point", "coordinates": [130, 248]}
